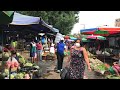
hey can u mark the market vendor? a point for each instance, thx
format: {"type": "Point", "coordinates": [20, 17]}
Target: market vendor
{"type": "Point", "coordinates": [12, 62]}
{"type": "Point", "coordinates": [115, 69]}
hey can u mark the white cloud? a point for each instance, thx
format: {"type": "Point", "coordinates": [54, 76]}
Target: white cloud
{"type": "Point", "coordinates": [93, 19]}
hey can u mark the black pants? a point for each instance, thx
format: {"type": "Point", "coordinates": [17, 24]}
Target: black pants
{"type": "Point", "coordinates": [59, 61]}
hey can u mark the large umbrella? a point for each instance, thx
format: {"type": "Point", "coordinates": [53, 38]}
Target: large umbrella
{"type": "Point", "coordinates": [99, 38]}
{"type": "Point", "coordinates": [73, 38]}
{"type": "Point", "coordinates": [6, 17]}
{"type": "Point", "coordinates": [70, 40]}
{"type": "Point", "coordinates": [96, 37]}
{"type": "Point", "coordinates": [85, 40]}
{"type": "Point", "coordinates": [101, 32]}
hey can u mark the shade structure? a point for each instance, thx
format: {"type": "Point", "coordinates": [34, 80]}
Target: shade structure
{"type": "Point", "coordinates": [109, 29]}
{"type": "Point", "coordinates": [35, 24]}
{"type": "Point", "coordinates": [6, 17]}
{"type": "Point", "coordinates": [88, 30]}
{"type": "Point", "coordinates": [69, 40]}
{"type": "Point", "coordinates": [55, 30]}
{"type": "Point", "coordinates": [106, 31]}
{"type": "Point", "coordinates": [73, 38]}
{"type": "Point", "coordinates": [96, 37]}
{"type": "Point", "coordinates": [19, 19]}
{"type": "Point", "coordinates": [101, 32]}
{"type": "Point", "coordinates": [85, 40]}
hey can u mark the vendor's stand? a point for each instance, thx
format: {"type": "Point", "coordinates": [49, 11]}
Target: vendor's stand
{"type": "Point", "coordinates": [6, 17]}
{"type": "Point", "coordinates": [21, 23]}
{"type": "Point", "coordinates": [26, 70]}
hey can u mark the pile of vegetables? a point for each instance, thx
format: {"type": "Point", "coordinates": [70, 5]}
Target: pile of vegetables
{"type": "Point", "coordinates": [6, 55]}
{"type": "Point", "coordinates": [19, 76]}
{"type": "Point", "coordinates": [24, 71]}
{"type": "Point", "coordinates": [112, 77]}
{"type": "Point", "coordinates": [28, 64]}
{"type": "Point", "coordinates": [6, 72]}
{"type": "Point", "coordinates": [97, 65]}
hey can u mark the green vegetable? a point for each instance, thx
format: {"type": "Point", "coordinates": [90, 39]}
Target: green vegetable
{"type": "Point", "coordinates": [11, 76]}
{"type": "Point", "coordinates": [28, 64]}
{"type": "Point", "coordinates": [112, 77]}
{"type": "Point", "coordinates": [36, 67]}
{"type": "Point", "coordinates": [22, 60]}
{"type": "Point", "coordinates": [6, 72]}
{"type": "Point", "coordinates": [19, 76]}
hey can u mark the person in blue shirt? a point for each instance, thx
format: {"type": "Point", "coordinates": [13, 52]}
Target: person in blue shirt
{"type": "Point", "coordinates": [60, 54]}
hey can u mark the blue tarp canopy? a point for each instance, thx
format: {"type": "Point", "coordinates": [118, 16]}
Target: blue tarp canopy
{"type": "Point", "coordinates": [19, 19]}
{"type": "Point", "coordinates": [88, 30]}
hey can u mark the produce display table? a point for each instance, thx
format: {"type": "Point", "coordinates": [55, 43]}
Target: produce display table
{"type": "Point", "coordinates": [26, 70]}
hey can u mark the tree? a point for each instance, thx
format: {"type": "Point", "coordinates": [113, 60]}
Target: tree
{"type": "Point", "coordinates": [62, 20]}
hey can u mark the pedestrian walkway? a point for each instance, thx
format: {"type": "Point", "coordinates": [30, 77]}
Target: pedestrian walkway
{"type": "Point", "coordinates": [88, 75]}
{"type": "Point", "coordinates": [49, 72]}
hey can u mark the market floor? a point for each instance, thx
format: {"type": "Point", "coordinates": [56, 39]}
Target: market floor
{"type": "Point", "coordinates": [48, 69]}
{"type": "Point", "coordinates": [88, 75]}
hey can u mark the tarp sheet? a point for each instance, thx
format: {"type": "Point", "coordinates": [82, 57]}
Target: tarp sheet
{"type": "Point", "coordinates": [55, 30]}
{"type": "Point", "coordinates": [36, 23]}
{"type": "Point", "coordinates": [19, 19]}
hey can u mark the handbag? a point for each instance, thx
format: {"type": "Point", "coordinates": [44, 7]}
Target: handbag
{"type": "Point", "coordinates": [64, 73]}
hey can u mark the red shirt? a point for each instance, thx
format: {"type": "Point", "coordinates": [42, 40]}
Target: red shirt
{"type": "Point", "coordinates": [39, 46]}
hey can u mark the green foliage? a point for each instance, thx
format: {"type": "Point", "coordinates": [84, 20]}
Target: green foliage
{"type": "Point", "coordinates": [62, 20]}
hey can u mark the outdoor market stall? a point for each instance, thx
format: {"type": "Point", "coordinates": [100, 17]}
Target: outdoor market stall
{"type": "Point", "coordinates": [26, 69]}
{"type": "Point", "coordinates": [103, 31]}
{"type": "Point", "coordinates": [22, 23]}
{"type": "Point", "coordinates": [108, 32]}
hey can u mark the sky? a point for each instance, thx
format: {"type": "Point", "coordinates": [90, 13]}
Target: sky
{"type": "Point", "coordinates": [93, 19]}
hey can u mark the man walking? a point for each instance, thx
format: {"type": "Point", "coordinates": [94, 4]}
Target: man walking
{"type": "Point", "coordinates": [60, 54]}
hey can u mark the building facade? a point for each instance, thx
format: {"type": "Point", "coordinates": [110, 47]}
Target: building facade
{"type": "Point", "coordinates": [117, 22]}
